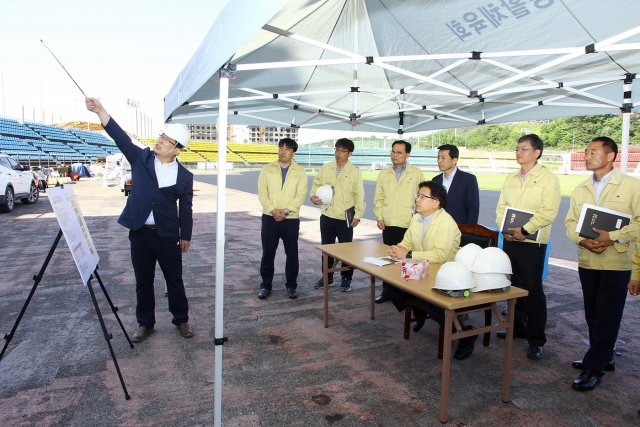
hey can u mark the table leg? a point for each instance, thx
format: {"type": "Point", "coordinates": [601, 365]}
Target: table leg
{"type": "Point", "coordinates": [508, 347]}
{"type": "Point", "coordinates": [446, 365]}
{"type": "Point", "coordinates": [325, 278]}
{"type": "Point", "coordinates": [373, 297]}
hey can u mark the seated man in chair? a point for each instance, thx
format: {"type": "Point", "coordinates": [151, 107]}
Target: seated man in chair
{"type": "Point", "coordinates": [432, 235]}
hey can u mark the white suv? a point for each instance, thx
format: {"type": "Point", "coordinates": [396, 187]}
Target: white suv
{"type": "Point", "coordinates": [16, 182]}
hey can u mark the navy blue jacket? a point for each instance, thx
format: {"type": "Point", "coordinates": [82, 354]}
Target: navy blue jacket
{"type": "Point", "coordinates": [463, 198]}
{"type": "Point", "coordinates": [145, 195]}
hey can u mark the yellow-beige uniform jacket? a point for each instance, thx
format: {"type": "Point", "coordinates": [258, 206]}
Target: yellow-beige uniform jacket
{"type": "Point", "coordinates": [540, 194]}
{"type": "Point", "coordinates": [395, 200]}
{"type": "Point", "coordinates": [622, 193]}
{"type": "Point", "coordinates": [348, 189]}
{"type": "Point", "coordinates": [441, 241]}
{"type": "Point", "coordinates": [274, 195]}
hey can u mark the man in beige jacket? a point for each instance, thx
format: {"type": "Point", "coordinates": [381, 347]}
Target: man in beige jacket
{"type": "Point", "coordinates": [282, 188]}
{"type": "Point", "coordinates": [533, 189]}
{"type": "Point", "coordinates": [604, 262]}
{"type": "Point", "coordinates": [395, 198]}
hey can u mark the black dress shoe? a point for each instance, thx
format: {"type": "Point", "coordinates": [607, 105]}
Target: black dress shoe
{"type": "Point", "coordinates": [381, 298]}
{"type": "Point", "coordinates": [142, 334]}
{"type": "Point", "coordinates": [465, 346]}
{"type": "Point", "coordinates": [292, 293]}
{"type": "Point", "coordinates": [503, 335]}
{"type": "Point", "coordinates": [419, 324]}
{"type": "Point", "coordinates": [611, 366]}
{"type": "Point", "coordinates": [264, 293]}
{"type": "Point", "coordinates": [587, 381]}
{"type": "Point", "coordinates": [535, 352]}
{"type": "Point", "coordinates": [185, 330]}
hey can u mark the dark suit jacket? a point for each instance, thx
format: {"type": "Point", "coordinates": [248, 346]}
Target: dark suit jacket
{"type": "Point", "coordinates": [463, 198]}
{"type": "Point", "coordinates": [146, 196]}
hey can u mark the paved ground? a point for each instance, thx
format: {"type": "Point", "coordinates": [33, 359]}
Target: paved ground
{"type": "Point", "coordinates": [282, 367]}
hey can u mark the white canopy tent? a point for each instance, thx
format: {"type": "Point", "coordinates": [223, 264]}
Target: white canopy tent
{"type": "Point", "coordinates": [405, 66]}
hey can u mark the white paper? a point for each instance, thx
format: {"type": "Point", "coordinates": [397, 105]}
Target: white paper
{"type": "Point", "coordinates": [379, 261]}
{"type": "Point", "coordinates": [67, 210]}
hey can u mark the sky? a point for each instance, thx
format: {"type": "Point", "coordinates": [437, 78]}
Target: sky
{"type": "Point", "coordinates": [115, 50]}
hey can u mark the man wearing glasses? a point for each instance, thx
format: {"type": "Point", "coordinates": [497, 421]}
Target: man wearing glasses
{"type": "Point", "coordinates": [463, 197]}
{"type": "Point", "coordinates": [433, 235]}
{"type": "Point", "coordinates": [348, 190]}
{"type": "Point", "coordinates": [394, 199]}
{"type": "Point", "coordinates": [534, 189]}
{"type": "Point", "coordinates": [282, 188]}
{"type": "Point", "coordinates": [158, 230]}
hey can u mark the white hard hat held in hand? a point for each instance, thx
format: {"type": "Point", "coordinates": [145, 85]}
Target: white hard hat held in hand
{"type": "Point", "coordinates": [325, 193]}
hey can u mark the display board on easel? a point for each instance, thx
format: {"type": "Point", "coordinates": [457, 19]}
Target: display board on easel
{"type": "Point", "coordinates": [67, 210]}
{"type": "Point", "coordinates": [72, 225]}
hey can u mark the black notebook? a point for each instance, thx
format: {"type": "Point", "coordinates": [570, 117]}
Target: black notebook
{"type": "Point", "coordinates": [516, 218]}
{"type": "Point", "coordinates": [600, 218]}
{"type": "Point", "coordinates": [349, 214]}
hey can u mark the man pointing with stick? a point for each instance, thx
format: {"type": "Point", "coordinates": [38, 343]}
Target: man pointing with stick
{"type": "Point", "coordinates": [158, 230]}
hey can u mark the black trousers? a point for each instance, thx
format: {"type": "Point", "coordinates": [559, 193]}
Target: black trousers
{"type": "Point", "coordinates": [332, 229]}
{"type": "Point", "coordinates": [391, 235]}
{"type": "Point", "coordinates": [398, 297]}
{"type": "Point", "coordinates": [605, 293]}
{"type": "Point", "coordinates": [147, 248]}
{"type": "Point", "coordinates": [271, 233]}
{"type": "Point", "coordinates": [527, 262]}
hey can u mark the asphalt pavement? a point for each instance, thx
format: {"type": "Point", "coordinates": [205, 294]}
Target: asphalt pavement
{"type": "Point", "coordinates": [562, 247]}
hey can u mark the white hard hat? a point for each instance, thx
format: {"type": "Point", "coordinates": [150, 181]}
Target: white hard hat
{"type": "Point", "coordinates": [467, 254]}
{"type": "Point", "coordinates": [178, 132]}
{"type": "Point", "coordinates": [492, 260]}
{"type": "Point", "coordinates": [325, 193]}
{"type": "Point", "coordinates": [453, 276]}
{"type": "Point", "coordinates": [489, 281]}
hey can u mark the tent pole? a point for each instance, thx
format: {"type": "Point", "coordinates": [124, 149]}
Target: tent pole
{"type": "Point", "coordinates": [627, 85]}
{"type": "Point", "coordinates": [624, 159]}
{"type": "Point", "coordinates": [220, 243]}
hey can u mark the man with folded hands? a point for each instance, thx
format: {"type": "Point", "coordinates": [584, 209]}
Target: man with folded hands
{"type": "Point", "coordinates": [433, 235]}
{"type": "Point", "coordinates": [604, 262]}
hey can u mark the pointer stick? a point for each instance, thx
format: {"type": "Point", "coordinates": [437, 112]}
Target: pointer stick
{"type": "Point", "coordinates": [45, 45]}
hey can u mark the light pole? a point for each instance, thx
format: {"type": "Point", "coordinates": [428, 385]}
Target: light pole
{"type": "Point", "coordinates": [133, 104]}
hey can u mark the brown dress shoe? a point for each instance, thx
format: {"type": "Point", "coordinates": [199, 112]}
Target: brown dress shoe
{"type": "Point", "coordinates": [141, 334]}
{"type": "Point", "coordinates": [185, 330]}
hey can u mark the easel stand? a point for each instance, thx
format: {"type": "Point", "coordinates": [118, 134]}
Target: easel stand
{"type": "Point", "coordinates": [107, 336]}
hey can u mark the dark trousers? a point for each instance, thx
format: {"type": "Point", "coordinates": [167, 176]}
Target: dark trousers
{"type": "Point", "coordinates": [391, 235]}
{"type": "Point", "coordinates": [527, 262]}
{"type": "Point", "coordinates": [330, 230]}
{"type": "Point", "coordinates": [398, 297]}
{"type": "Point", "coordinates": [271, 233]}
{"type": "Point", "coordinates": [605, 293]}
{"type": "Point", "coordinates": [147, 248]}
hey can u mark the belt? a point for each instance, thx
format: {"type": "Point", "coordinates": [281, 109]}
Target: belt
{"type": "Point", "coordinates": [151, 226]}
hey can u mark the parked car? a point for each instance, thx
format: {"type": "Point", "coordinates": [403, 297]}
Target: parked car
{"type": "Point", "coordinates": [16, 182]}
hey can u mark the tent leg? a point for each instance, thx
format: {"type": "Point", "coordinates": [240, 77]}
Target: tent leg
{"type": "Point", "coordinates": [626, 120]}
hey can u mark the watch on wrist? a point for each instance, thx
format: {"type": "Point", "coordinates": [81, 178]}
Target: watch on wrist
{"type": "Point", "coordinates": [409, 254]}
{"type": "Point", "coordinates": [525, 232]}
{"type": "Point", "coordinates": [286, 212]}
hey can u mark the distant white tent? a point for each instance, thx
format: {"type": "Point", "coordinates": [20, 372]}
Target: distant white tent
{"type": "Point", "coordinates": [407, 66]}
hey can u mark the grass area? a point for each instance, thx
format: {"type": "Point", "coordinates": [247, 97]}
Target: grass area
{"type": "Point", "coordinates": [493, 181]}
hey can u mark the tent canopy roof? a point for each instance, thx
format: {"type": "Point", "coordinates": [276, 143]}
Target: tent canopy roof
{"type": "Point", "coordinates": [410, 65]}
